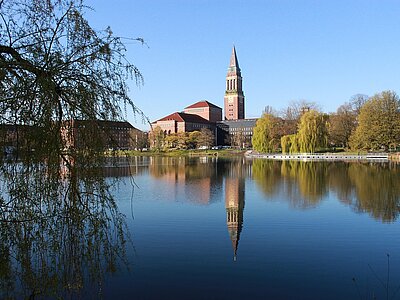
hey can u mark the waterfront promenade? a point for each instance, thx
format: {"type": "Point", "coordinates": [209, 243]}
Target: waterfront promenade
{"type": "Point", "coordinates": [319, 156]}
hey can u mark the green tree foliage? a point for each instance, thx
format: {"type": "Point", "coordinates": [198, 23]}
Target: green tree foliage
{"type": "Point", "coordinates": [285, 144]}
{"type": "Point", "coordinates": [266, 135]}
{"type": "Point", "coordinates": [182, 140]}
{"type": "Point", "coordinates": [294, 143]}
{"type": "Point", "coordinates": [156, 137]}
{"type": "Point", "coordinates": [378, 123]}
{"type": "Point", "coordinates": [312, 131]}
{"type": "Point", "coordinates": [341, 125]}
{"type": "Point", "coordinates": [55, 67]}
{"type": "Point", "coordinates": [194, 138]}
{"type": "Point", "coordinates": [61, 229]}
{"type": "Point", "coordinates": [290, 144]}
{"type": "Point", "coordinates": [171, 140]}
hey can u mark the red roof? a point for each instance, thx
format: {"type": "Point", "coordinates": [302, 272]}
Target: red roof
{"type": "Point", "coordinates": [203, 103]}
{"type": "Point", "coordinates": [182, 117]}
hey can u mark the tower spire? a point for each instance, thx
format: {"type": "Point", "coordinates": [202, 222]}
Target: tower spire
{"type": "Point", "coordinates": [234, 61]}
{"type": "Point", "coordinates": [234, 97]}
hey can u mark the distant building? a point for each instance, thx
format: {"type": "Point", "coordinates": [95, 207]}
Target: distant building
{"type": "Point", "coordinates": [14, 137]}
{"type": "Point", "coordinates": [234, 97]}
{"type": "Point", "coordinates": [113, 135]}
{"type": "Point", "coordinates": [182, 122]}
{"type": "Point", "coordinates": [236, 132]}
{"type": "Point", "coordinates": [206, 110]}
{"type": "Point", "coordinates": [76, 134]}
{"type": "Point", "coordinates": [233, 129]}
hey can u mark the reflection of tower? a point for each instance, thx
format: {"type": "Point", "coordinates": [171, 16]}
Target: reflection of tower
{"type": "Point", "coordinates": [234, 204]}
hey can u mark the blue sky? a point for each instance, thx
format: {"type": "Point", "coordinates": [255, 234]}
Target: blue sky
{"type": "Point", "coordinates": [321, 51]}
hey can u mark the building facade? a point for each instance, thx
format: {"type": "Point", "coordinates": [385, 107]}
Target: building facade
{"type": "Point", "coordinates": [233, 129]}
{"type": "Point", "coordinates": [237, 133]}
{"type": "Point", "coordinates": [113, 135]}
{"type": "Point", "coordinates": [205, 110]}
{"type": "Point", "coordinates": [182, 122]}
{"type": "Point", "coordinates": [234, 97]}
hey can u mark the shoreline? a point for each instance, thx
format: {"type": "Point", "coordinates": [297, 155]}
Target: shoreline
{"type": "Point", "coordinates": [380, 157]}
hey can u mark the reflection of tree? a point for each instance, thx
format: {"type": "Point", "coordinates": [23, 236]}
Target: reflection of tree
{"type": "Point", "coordinates": [377, 189]}
{"type": "Point", "coordinates": [366, 187]}
{"type": "Point", "coordinates": [312, 181]}
{"type": "Point", "coordinates": [267, 174]}
{"type": "Point", "coordinates": [304, 182]}
{"type": "Point", "coordinates": [60, 229]}
{"type": "Point", "coordinates": [340, 183]}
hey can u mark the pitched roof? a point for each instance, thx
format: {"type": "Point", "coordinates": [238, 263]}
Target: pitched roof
{"type": "Point", "coordinates": [203, 103]}
{"type": "Point", "coordinates": [183, 117]}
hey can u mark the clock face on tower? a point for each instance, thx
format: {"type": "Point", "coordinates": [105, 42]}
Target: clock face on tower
{"type": "Point", "coordinates": [230, 100]}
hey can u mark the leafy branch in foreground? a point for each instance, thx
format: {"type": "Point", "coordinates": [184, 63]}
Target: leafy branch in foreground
{"type": "Point", "coordinates": [54, 66]}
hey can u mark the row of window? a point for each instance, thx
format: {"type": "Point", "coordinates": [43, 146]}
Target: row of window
{"type": "Point", "coordinates": [231, 84]}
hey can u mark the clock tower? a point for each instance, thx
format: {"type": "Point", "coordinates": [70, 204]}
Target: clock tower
{"type": "Point", "coordinates": [234, 97]}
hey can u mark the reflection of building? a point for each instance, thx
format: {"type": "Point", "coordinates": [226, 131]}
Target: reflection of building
{"type": "Point", "coordinates": [234, 204]}
{"type": "Point", "coordinates": [192, 182]}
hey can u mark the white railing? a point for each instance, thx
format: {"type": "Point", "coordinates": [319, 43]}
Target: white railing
{"type": "Point", "coordinates": [320, 156]}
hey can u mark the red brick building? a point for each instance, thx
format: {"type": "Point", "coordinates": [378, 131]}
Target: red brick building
{"type": "Point", "coordinates": [205, 110]}
{"type": "Point", "coordinates": [182, 122]}
{"type": "Point", "coordinates": [234, 97]}
{"type": "Point", "coordinates": [113, 135]}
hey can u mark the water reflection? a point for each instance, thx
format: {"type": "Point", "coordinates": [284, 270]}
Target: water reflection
{"type": "Point", "coordinates": [200, 177]}
{"type": "Point", "coordinates": [194, 180]}
{"type": "Point", "coordinates": [366, 187]}
{"type": "Point", "coordinates": [61, 231]}
{"type": "Point", "coordinates": [234, 203]}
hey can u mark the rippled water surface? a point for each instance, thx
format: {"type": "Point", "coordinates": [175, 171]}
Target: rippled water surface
{"type": "Point", "coordinates": [212, 228]}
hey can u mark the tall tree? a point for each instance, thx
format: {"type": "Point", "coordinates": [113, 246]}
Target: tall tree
{"type": "Point", "coordinates": [313, 131]}
{"type": "Point", "coordinates": [341, 125]}
{"type": "Point", "coordinates": [378, 123]}
{"type": "Point", "coordinates": [156, 138]}
{"type": "Point", "coordinates": [293, 113]}
{"type": "Point", "coordinates": [266, 136]}
{"type": "Point", "coordinates": [238, 139]}
{"type": "Point", "coordinates": [357, 101]}
{"type": "Point", "coordinates": [206, 138]}
{"type": "Point", "coordinates": [55, 67]}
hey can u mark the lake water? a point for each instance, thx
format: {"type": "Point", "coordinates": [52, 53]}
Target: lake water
{"type": "Point", "coordinates": [212, 228]}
